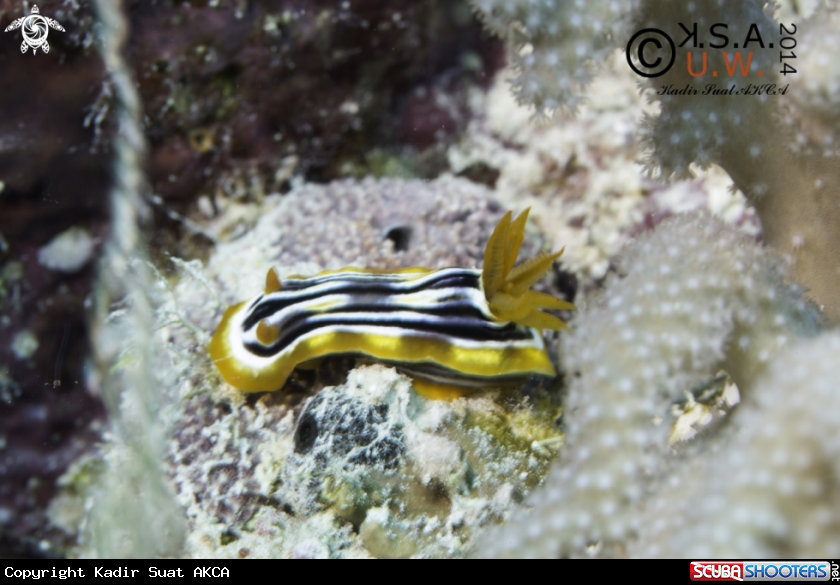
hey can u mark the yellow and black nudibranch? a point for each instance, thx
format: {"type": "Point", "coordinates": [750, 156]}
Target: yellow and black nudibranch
{"type": "Point", "coordinates": [451, 327]}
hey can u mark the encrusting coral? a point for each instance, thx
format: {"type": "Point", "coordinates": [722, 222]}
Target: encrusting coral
{"type": "Point", "coordinates": [696, 297]}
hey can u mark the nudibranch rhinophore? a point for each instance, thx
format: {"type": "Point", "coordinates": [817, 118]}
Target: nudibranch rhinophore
{"type": "Point", "coordinates": [452, 327]}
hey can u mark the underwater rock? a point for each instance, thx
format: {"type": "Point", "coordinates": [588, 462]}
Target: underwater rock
{"type": "Point", "coordinates": [344, 428]}
{"type": "Point", "coordinates": [357, 470]}
{"type": "Point", "coordinates": [348, 444]}
{"type": "Point", "coordinates": [232, 88]}
{"type": "Point", "coordinates": [347, 447]}
{"type": "Point", "coordinates": [414, 476]}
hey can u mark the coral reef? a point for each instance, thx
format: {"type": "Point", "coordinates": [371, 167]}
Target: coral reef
{"type": "Point", "coordinates": [265, 476]}
{"type": "Point", "coordinates": [694, 413]}
{"type": "Point", "coordinates": [222, 85]}
{"type": "Point", "coordinates": [581, 175]}
{"type": "Point", "coordinates": [696, 297]}
{"type": "Point", "coordinates": [780, 472]}
{"type": "Point", "coordinates": [365, 464]}
{"type": "Point", "coordinates": [785, 164]}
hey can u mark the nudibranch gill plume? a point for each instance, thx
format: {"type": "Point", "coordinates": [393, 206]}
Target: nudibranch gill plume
{"type": "Point", "coordinates": [456, 327]}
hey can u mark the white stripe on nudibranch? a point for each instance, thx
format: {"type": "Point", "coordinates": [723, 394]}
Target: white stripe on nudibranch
{"type": "Point", "coordinates": [440, 325]}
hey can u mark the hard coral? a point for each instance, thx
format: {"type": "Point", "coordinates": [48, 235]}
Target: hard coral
{"type": "Point", "coordinates": [696, 297]}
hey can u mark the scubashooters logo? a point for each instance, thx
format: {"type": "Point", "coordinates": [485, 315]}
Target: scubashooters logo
{"type": "Point", "coordinates": [35, 29]}
{"type": "Point", "coordinates": [759, 571]}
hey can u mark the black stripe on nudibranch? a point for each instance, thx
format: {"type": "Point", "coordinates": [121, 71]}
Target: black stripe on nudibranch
{"type": "Point", "coordinates": [296, 292]}
{"type": "Point", "coordinates": [452, 329]}
{"type": "Point", "coordinates": [440, 375]}
{"type": "Point", "coordinates": [449, 313]}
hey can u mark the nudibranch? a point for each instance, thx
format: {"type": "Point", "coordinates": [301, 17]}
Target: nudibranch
{"type": "Point", "coordinates": [452, 327]}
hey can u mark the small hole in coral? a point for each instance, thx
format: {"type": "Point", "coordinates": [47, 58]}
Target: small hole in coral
{"type": "Point", "coordinates": [438, 491]}
{"type": "Point", "coordinates": [567, 284]}
{"type": "Point", "coordinates": [481, 173]}
{"type": "Point", "coordinates": [228, 536]}
{"type": "Point", "coordinates": [400, 235]}
{"type": "Point", "coordinates": [201, 140]}
{"type": "Point", "coordinates": [306, 433]}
